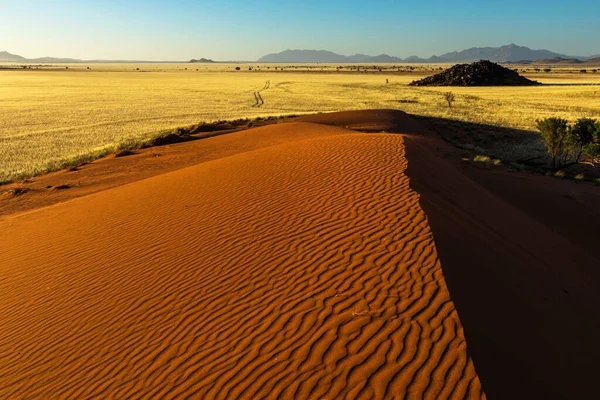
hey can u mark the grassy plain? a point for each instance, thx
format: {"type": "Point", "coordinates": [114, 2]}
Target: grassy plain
{"type": "Point", "coordinates": [54, 115]}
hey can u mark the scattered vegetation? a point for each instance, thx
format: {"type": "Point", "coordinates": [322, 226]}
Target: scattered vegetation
{"type": "Point", "coordinates": [571, 144]}
{"type": "Point", "coordinates": [84, 120]}
{"type": "Point", "coordinates": [449, 97]}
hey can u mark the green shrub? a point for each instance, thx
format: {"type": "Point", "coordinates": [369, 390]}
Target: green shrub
{"type": "Point", "coordinates": [580, 136]}
{"type": "Point", "coordinates": [554, 135]}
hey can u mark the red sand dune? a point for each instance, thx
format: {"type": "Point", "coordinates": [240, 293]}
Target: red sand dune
{"type": "Point", "coordinates": [301, 267]}
{"type": "Point", "coordinates": [295, 261]}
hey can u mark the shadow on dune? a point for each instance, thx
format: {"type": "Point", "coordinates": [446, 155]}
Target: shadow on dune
{"type": "Point", "coordinates": [520, 257]}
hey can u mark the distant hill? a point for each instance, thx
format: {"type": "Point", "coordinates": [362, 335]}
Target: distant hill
{"type": "Point", "coordinates": [592, 61]}
{"type": "Point", "coordinates": [306, 56]}
{"type": "Point", "coordinates": [563, 61]}
{"type": "Point", "coordinates": [508, 53]}
{"type": "Point", "coordinates": [504, 54]}
{"type": "Point", "coordinates": [46, 60]}
{"type": "Point", "coordinates": [202, 60]}
{"type": "Point", "coordinates": [322, 56]}
{"type": "Point", "coordinates": [8, 57]}
{"type": "Point", "coordinates": [558, 61]}
{"type": "Point", "coordinates": [5, 56]}
{"type": "Point", "coordinates": [13, 58]}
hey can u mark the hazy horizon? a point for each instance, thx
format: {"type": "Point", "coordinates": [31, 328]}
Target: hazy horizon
{"type": "Point", "coordinates": [236, 30]}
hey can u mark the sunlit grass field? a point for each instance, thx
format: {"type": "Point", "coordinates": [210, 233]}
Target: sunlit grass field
{"type": "Point", "coordinates": [51, 117]}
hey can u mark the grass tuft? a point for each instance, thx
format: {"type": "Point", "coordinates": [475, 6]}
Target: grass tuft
{"type": "Point", "coordinates": [482, 159]}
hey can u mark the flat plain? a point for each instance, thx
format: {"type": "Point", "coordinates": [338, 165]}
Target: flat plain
{"type": "Point", "coordinates": [54, 115]}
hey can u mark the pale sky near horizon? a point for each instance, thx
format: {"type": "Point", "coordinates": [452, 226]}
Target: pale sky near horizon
{"type": "Point", "coordinates": [175, 30]}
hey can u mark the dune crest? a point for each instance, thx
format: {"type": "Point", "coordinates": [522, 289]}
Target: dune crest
{"type": "Point", "coordinates": [304, 269]}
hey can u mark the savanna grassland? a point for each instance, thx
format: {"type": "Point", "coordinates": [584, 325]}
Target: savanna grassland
{"type": "Point", "coordinates": [52, 116]}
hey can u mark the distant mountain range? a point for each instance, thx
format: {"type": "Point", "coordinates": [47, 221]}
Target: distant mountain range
{"type": "Point", "coordinates": [13, 58]}
{"type": "Point", "coordinates": [7, 57]}
{"type": "Point", "coordinates": [504, 54]}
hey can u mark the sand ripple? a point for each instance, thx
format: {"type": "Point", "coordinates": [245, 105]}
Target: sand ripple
{"type": "Point", "coordinates": [302, 270]}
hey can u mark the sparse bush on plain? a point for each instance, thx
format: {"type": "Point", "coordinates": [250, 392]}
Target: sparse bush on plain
{"type": "Point", "coordinates": [554, 135]}
{"type": "Point", "coordinates": [449, 97]}
{"type": "Point", "coordinates": [571, 144]}
{"type": "Point", "coordinates": [52, 134]}
{"type": "Point", "coordinates": [581, 135]}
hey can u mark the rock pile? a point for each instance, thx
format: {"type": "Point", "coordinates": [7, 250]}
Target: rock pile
{"type": "Point", "coordinates": [481, 73]}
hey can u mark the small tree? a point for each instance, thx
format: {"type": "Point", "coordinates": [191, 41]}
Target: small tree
{"type": "Point", "coordinates": [449, 97]}
{"type": "Point", "coordinates": [592, 150]}
{"type": "Point", "coordinates": [547, 70]}
{"type": "Point", "coordinates": [580, 136]}
{"type": "Point", "coordinates": [554, 134]}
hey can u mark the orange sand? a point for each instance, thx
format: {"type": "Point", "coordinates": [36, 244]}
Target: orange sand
{"type": "Point", "coordinates": [296, 264]}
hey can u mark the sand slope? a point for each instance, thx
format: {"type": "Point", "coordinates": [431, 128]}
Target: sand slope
{"type": "Point", "coordinates": [524, 281]}
{"type": "Point", "coordinates": [297, 270]}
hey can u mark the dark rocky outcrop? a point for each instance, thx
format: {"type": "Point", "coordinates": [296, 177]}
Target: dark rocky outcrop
{"type": "Point", "coordinates": [481, 73]}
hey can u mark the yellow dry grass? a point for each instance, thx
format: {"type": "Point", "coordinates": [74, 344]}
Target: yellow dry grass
{"type": "Point", "coordinates": [52, 116]}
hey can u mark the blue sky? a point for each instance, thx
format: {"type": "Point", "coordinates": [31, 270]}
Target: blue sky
{"type": "Point", "coordinates": [246, 30]}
